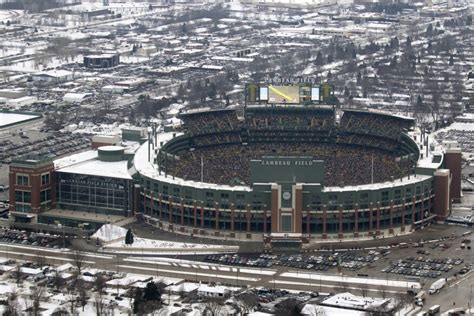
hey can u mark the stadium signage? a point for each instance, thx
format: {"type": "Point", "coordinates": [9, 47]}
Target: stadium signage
{"type": "Point", "coordinates": [287, 162]}
{"type": "Point", "coordinates": [290, 80]}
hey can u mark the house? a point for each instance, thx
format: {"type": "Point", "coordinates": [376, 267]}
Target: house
{"type": "Point", "coordinates": [185, 288]}
{"type": "Point", "coordinates": [213, 291]}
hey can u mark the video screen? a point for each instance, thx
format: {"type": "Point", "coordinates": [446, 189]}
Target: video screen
{"type": "Point", "coordinates": [263, 93]}
{"type": "Point", "coordinates": [283, 94]}
{"type": "Point", "coordinates": [315, 94]}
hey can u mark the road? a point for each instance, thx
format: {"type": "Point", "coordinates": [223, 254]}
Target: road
{"type": "Point", "coordinates": [281, 277]}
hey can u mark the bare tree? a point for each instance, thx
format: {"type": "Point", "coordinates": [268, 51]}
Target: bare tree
{"type": "Point", "coordinates": [57, 281]}
{"type": "Point", "coordinates": [213, 306]}
{"type": "Point", "coordinates": [18, 273]}
{"type": "Point", "coordinates": [41, 259]}
{"type": "Point", "coordinates": [247, 302]}
{"type": "Point", "coordinates": [364, 289]}
{"type": "Point", "coordinates": [36, 296]}
{"type": "Point", "coordinates": [99, 283]}
{"type": "Point", "coordinates": [78, 260]}
{"type": "Point", "coordinates": [13, 308]}
{"type": "Point", "coordinates": [99, 304]}
{"type": "Point", "coordinates": [82, 293]}
{"type": "Point", "coordinates": [71, 299]}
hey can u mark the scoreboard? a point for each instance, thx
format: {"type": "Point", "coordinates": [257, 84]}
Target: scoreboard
{"type": "Point", "coordinates": [286, 94]}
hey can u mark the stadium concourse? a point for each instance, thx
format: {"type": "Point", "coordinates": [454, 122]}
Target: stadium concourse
{"type": "Point", "coordinates": [295, 174]}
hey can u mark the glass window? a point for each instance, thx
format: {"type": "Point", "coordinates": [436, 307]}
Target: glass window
{"type": "Point", "coordinates": [45, 195]}
{"type": "Point", "coordinates": [22, 179]}
{"type": "Point", "coordinates": [22, 196]}
{"type": "Point", "coordinates": [45, 179]}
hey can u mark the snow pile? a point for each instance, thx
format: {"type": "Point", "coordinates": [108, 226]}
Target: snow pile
{"type": "Point", "coordinates": [109, 232]}
{"type": "Point", "coordinates": [156, 244]}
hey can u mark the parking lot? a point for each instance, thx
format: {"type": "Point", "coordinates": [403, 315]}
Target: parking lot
{"type": "Point", "coordinates": [50, 145]}
{"type": "Point", "coordinates": [31, 239]}
{"type": "Point", "coordinates": [351, 260]}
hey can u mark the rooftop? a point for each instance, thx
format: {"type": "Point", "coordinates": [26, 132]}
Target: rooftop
{"type": "Point", "coordinates": [87, 163]}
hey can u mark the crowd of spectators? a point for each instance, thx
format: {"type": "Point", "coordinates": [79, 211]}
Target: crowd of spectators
{"type": "Point", "coordinates": [323, 120]}
{"type": "Point", "coordinates": [216, 139]}
{"type": "Point", "coordinates": [374, 124]}
{"type": "Point", "coordinates": [344, 165]}
{"type": "Point", "coordinates": [363, 148]}
{"type": "Point", "coordinates": [210, 122]}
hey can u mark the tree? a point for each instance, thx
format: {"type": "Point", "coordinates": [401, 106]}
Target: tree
{"type": "Point", "coordinates": [247, 302]}
{"type": "Point", "coordinates": [99, 283]}
{"type": "Point", "coordinates": [288, 307]}
{"type": "Point", "coordinates": [429, 30]}
{"type": "Point", "coordinates": [55, 120]}
{"type": "Point", "coordinates": [451, 60]}
{"type": "Point", "coordinates": [36, 295]}
{"type": "Point", "coordinates": [213, 306]}
{"type": "Point", "coordinates": [152, 292]}
{"type": "Point", "coordinates": [129, 237]}
{"type": "Point", "coordinates": [57, 280]}
{"type": "Point", "coordinates": [13, 308]}
{"type": "Point", "coordinates": [319, 59]}
{"type": "Point", "coordinates": [71, 299]}
{"type": "Point", "coordinates": [82, 293]}
{"type": "Point", "coordinates": [78, 261]}
{"type": "Point", "coordinates": [99, 304]}
{"type": "Point", "coordinates": [408, 42]}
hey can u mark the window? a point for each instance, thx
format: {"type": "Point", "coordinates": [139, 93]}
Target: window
{"type": "Point", "coordinates": [45, 179]}
{"type": "Point", "coordinates": [45, 195]}
{"type": "Point", "coordinates": [22, 179]}
{"type": "Point", "coordinates": [22, 196]}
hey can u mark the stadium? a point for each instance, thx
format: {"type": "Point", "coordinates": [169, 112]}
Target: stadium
{"type": "Point", "coordinates": [291, 174]}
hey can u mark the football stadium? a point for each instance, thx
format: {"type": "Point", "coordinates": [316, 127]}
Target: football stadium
{"type": "Point", "coordinates": [292, 174]}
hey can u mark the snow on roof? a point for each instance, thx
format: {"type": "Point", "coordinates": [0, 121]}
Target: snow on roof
{"type": "Point", "coordinates": [213, 289]}
{"type": "Point", "coordinates": [349, 300]}
{"type": "Point", "coordinates": [310, 310]}
{"type": "Point", "coordinates": [86, 163]}
{"type": "Point", "coordinates": [75, 97]}
{"type": "Point", "coordinates": [185, 287]}
{"type": "Point", "coordinates": [74, 159]}
{"type": "Point", "coordinates": [64, 267]}
{"type": "Point", "coordinates": [30, 271]}
{"type": "Point", "coordinates": [54, 73]}
{"type": "Point", "coordinates": [109, 232]}
{"type": "Point", "coordinates": [12, 118]}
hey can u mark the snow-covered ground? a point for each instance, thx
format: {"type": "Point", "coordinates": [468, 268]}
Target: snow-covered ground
{"type": "Point", "coordinates": [157, 244]}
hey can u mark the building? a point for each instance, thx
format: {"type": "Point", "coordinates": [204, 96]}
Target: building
{"type": "Point", "coordinates": [32, 188]}
{"type": "Point", "coordinates": [102, 61]}
{"type": "Point", "coordinates": [53, 76]}
{"type": "Point", "coordinates": [282, 174]}
{"type": "Point", "coordinates": [290, 198]}
{"type": "Point", "coordinates": [92, 188]}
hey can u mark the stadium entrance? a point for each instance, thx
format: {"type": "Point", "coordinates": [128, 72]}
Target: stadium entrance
{"type": "Point", "coordinates": [285, 175]}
